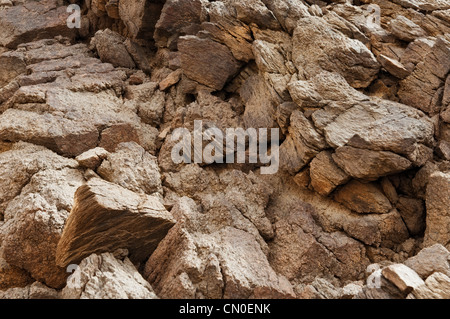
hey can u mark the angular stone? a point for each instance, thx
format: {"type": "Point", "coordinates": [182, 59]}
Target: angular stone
{"type": "Point", "coordinates": [92, 158]}
{"type": "Point", "coordinates": [106, 277]}
{"type": "Point", "coordinates": [429, 260]}
{"type": "Point", "coordinates": [111, 49]}
{"type": "Point", "coordinates": [131, 167]}
{"type": "Point", "coordinates": [33, 20]}
{"type": "Point", "coordinates": [427, 5]}
{"type": "Point", "coordinates": [363, 198]}
{"type": "Point", "coordinates": [10, 68]}
{"type": "Point", "coordinates": [405, 29]}
{"type": "Point", "coordinates": [107, 217]}
{"type": "Point", "coordinates": [438, 210]}
{"type": "Point", "coordinates": [325, 174]}
{"type": "Point", "coordinates": [394, 67]}
{"type": "Point", "coordinates": [437, 286]}
{"type": "Point", "coordinates": [207, 62]}
{"type": "Point", "coordinates": [369, 165]}
{"type": "Point", "coordinates": [335, 53]}
{"type": "Point", "coordinates": [403, 277]}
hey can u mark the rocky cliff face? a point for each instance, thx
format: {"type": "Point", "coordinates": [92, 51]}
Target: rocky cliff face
{"type": "Point", "coordinates": [93, 205]}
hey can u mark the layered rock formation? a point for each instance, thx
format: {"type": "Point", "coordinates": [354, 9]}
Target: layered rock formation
{"type": "Point", "coordinates": [92, 204]}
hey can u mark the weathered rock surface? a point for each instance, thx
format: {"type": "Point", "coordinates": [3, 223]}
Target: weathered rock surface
{"type": "Point", "coordinates": [102, 219]}
{"type": "Point", "coordinates": [106, 277]}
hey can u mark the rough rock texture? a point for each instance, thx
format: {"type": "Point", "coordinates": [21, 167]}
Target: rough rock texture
{"type": "Point", "coordinates": [106, 277]}
{"type": "Point", "coordinates": [106, 215]}
{"type": "Point", "coordinates": [357, 113]}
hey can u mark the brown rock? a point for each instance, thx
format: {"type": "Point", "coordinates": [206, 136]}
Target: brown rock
{"type": "Point", "coordinates": [325, 174]}
{"type": "Point", "coordinates": [394, 67]}
{"type": "Point", "coordinates": [403, 277]}
{"type": "Point", "coordinates": [430, 260]}
{"type": "Point", "coordinates": [111, 49]}
{"type": "Point", "coordinates": [363, 198]}
{"type": "Point", "coordinates": [207, 62]}
{"type": "Point", "coordinates": [107, 217]}
{"type": "Point", "coordinates": [438, 210]}
{"type": "Point", "coordinates": [369, 165]}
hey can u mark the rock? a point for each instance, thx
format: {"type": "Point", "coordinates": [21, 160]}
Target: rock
{"type": "Point", "coordinates": [106, 277]}
{"type": "Point", "coordinates": [413, 213]}
{"type": "Point", "coordinates": [34, 223]}
{"type": "Point", "coordinates": [394, 67]}
{"type": "Point", "coordinates": [430, 260]}
{"type": "Point", "coordinates": [92, 158]}
{"type": "Point", "coordinates": [31, 21]}
{"type": "Point", "coordinates": [131, 167]}
{"type": "Point", "coordinates": [172, 79]}
{"type": "Point", "coordinates": [423, 87]}
{"type": "Point", "coordinates": [228, 256]}
{"type": "Point", "coordinates": [11, 276]}
{"type": "Point", "coordinates": [325, 174]}
{"type": "Point", "coordinates": [333, 53]}
{"type": "Point", "coordinates": [405, 29]}
{"type": "Point", "coordinates": [403, 277]}
{"type": "Point", "coordinates": [10, 67]}
{"type": "Point", "coordinates": [107, 217]}
{"type": "Point", "coordinates": [369, 165]}
{"type": "Point", "coordinates": [111, 49]}
{"type": "Point", "coordinates": [428, 5]}
{"type": "Point", "coordinates": [437, 286]}
{"type": "Point", "coordinates": [36, 290]}
{"type": "Point", "coordinates": [207, 62]}
{"type": "Point", "coordinates": [140, 17]}
{"type": "Point", "coordinates": [363, 198]}
{"type": "Point", "coordinates": [443, 150]}
{"type": "Point", "coordinates": [438, 210]}
{"type": "Point", "coordinates": [389, 190]}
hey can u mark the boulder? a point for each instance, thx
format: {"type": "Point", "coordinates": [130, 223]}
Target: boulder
{"type": "Point", "coordinates": [106, 217]}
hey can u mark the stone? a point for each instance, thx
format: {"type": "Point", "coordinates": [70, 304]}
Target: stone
{"type": "Point", "coordinates": [207, 62]}
{"type": "Point", "coordinates": [106, 217]}
{"type": "Point", "coordinates": [428, 5]}
{"type": "Point", "coordinates": [33, 20]}
{"type": "Point", "coordinates": [34, 223]}
{"type": "Point", "coordinates": [12, 276]}
{"type": "Point", "coordinates": [106, 277]}
{"type": "Point", "coordinates": [394, 67]}
{"type": "Point", "coordinates": [92, 158]}
{"type": "Point", "coordinates": [403, 277]}
{"type": "Point", "coordinates": [405, 29]}
{"type": "Point", "coordinates": [133, 168]}
{"type": "Point", "coordinates": [437, 286]}
{"type": "Point", "coordinates": [111, 49]}
{"type": "Point", "coordinates": [363, 198]}
{"type": "Point", "coordinates": [172, 79]}
{"type": "Point", "coordinates": [325, 174]}
{"type": "Point", "coordinates": [312, 56]}
{"type": "Point", "coordinates": [369, 165]}
{"type": "Point", "coordinates": [10, 67]}
{"type": "Point", "coordinates": [443, 150]}
{"type": "Point", "coordinates": [430, 260]}
{"type": "Point", "coordinates": [438, 210]}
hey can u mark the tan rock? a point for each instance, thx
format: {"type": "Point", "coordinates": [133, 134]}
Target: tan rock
{"type": "Point", "coordinates": [430, 260]}
{"type": "Point", "coordinates": [363, 198]}
{"type": "Point", "coordinates": [438, 210]}
{"type": "Point", "coordinates": [106, 217]}
{"type": "Point", "coordinates": [403, 277]}
{"type": "Point", "coordinates": [325, 174]}
{"type": "Point", "coordinates": [437, 286]}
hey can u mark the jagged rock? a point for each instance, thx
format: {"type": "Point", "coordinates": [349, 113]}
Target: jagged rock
{"type": "Point", "coordinates": [10, 67]}
{"type": "Point", "coordinates": [301, 250]}
{"type": "Point", "coordinates": [413, 213]}
{"type": "Point", "coordinates": [437, 286]}
{"type": "Point", "coordinates": [428, 5]}
{"type": "Point", "coordinates": [438, 210]}
{"type": "Point", "coordinates": [131, 167]}
{"type": "Point", "coordinates": [34, 223]}
{"type": "Point", "coordinates": [92, 158]}
{"type": "Point", "coordinates": [104, 40]}
{"type": "Point", "coordinates": [369, 165]}
{"type": "Point", "coordinates": [207, 62]}
{"type": "Point", "coordinates": [394, 67]}
{"type": "Point", "coordinates": [403, 277]}
{"type": "Point", "coordinates": [333, 53]}
{"type": "Point", "coordinates": [405, 29]}
{"type": "Point", "coordinates": [189, 263]}
{"type": "Point", "coordinates": [12, 276]}
{"type": "Point", "coordinates": [103, 218]}
{"type": "Point", "coordinates": [363, 198]}
{"type": "Point", "coordinates": [140, 17]}
{"type": "Point", "coordinates": [325, 174]}
{"type": "Point", "coordinates": [423, 88]}
{"type": "Point", "coordinates": [106, 277]}
{"type": "Point", "coordinates": [33, 20]}
{"type": "Point", "coordinates": [36, 290]}
{"type": "Point", "coordinates": [430, 260]}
